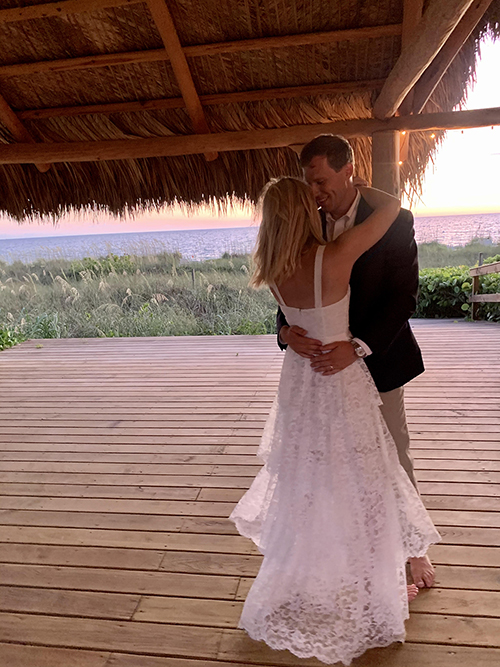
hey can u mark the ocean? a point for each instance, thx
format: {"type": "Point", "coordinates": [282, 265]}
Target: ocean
{"type": "Point", "coordinates": [201, 244]}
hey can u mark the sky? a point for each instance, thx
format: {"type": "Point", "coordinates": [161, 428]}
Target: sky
{"type": "Point", "coordinates": [463, 179]}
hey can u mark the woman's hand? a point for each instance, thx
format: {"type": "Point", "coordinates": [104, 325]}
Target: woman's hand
{"type": "Point", "coordinates": [359, 182]}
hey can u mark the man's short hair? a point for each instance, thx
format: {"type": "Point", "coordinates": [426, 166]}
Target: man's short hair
{"type": "Point", "coordinates": [335, 148]}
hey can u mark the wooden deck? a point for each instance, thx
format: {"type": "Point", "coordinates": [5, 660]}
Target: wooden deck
{"type": "Point", "coordinates": [122, 458]}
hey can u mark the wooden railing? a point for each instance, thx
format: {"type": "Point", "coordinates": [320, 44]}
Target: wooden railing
{"type": "Point", "coordinates": [477, 298]}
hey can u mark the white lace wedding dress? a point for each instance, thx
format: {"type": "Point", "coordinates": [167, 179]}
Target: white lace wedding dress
{"type": "Point", "coordinates": [332, 511]}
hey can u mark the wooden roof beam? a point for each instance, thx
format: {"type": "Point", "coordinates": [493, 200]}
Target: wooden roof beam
{"type": "Point", "coordinates": [156, 55]}
{"type": "Point", "coordinates": [300, 39]}
{"type": "Point", "coordinates": [165, 25]}
{"type": "Point", "coordinates": [342, 87]}
{"type": "Point", "coordinates": [17, 129]}
{"type": "Point", "coordinates": [61, 8]}
{"type": "Point", "coordinates": [412, 14]}
{"type": "Point", "coordinates": [93, 151]}
{"type": "Point", "coordinates": [436, 70]}
{"type": "Point", "coordinates": [438, 22]}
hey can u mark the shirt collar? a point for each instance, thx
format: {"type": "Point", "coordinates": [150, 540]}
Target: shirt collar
{"type": "Point", "coordinates": [350, 213]}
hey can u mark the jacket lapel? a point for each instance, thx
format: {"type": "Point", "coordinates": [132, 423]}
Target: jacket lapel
{"type": "Point", "coordinates": [363, 211]}
{"type": "Point", "coordinates": [323, 223]}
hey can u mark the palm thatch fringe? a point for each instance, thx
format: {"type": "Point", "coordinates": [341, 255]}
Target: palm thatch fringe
{"type": "Point", "coordinates": [131, 186]}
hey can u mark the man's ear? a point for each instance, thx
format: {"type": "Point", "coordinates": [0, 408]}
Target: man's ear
{"type": "Point", "coordinates": [349, 169]}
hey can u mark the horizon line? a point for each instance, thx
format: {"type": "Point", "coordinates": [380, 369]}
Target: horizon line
{"type": "Point", "coordinates": [62, 234]}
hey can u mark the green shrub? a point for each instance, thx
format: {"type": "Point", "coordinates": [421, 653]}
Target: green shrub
{"type": "Point", "coordinates": [444, 293]}
{"type": "Point", "coordinates": [103, 266]}
{"type": "Point", "coordinates": [45, 325]}
{"type": "Point", "coordinates": [9, 337]}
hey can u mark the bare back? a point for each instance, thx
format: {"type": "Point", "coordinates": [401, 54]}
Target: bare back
{"type": "Point", "coordinates": [298, 290]}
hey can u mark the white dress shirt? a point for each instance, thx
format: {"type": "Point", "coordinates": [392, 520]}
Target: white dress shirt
{"type": "Point", "coordinates": [334, 228]}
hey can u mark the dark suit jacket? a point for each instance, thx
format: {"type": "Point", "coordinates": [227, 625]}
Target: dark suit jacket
{"type": "Point", "coordinates": [384, 287]}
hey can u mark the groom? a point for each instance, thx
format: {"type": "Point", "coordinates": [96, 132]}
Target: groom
{"type": "Point", "coordinates": [384, 285]}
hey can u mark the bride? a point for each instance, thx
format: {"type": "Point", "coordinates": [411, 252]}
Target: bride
{"type": "Point", "coordinates": [332, 511]}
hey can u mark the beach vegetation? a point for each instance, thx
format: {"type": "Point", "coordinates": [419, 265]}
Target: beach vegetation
{"type": "Point", "coordinates": [436, 255]}
{"type": "Point", "coordinates": [165, 295]}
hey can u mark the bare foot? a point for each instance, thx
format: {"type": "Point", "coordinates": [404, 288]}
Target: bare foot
{"type": "Point", "coordinates": [422, 571]}
{"type": "Point", "coordinates": [412, 592]}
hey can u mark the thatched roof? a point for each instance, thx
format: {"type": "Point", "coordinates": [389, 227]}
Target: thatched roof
{"type": "Point", "coordinates": [120, 185]}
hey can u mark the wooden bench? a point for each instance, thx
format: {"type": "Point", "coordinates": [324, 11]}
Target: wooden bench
{"type": "Point", "coordinates": [477, 298]}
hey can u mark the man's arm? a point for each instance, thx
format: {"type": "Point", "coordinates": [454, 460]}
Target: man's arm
{"type": "Point", "coordinates": [296, 338]}
{"type": "Point", "coordinates": [379, 329]}
{"type": "Point", "coordinates": [400, 300]}
{"type": "Point", "coordinates": [280, 323]}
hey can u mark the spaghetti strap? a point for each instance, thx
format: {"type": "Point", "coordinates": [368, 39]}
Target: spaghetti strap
{"type": "Point", "coordinates": [318, 273]}
{"type": "Point", "coordinates": [278, 294]}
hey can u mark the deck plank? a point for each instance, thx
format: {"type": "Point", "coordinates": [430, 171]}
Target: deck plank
{"type": "Point", "coordinates": [21, 655]}
{"type": "Point", "coordinates": [120, 460]}
{"type": "Point", "coordinates": [100, 634]}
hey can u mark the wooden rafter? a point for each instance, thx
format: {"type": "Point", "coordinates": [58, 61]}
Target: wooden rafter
{"type": "Point", "coordinates": [92, 151]}
{"type": "Point", "coordinates": [156, 55]}
{"type": "Point", "coordinates": [83, 63]}
{"type": "Point", "coordinates": [301, 39]}
{"type": "Point", "coordinates": [17, 129]}
{"type": "Point", "coordinates": [436, 70]}
{"type": "Point", "coordinates": [412, 14]}
{"type": "Point", "coordinates": [165, 25]}
{"type": "Point", "coordinates": [343, 87]}
{"type": "Point", "coordinates": [61, 8]}
{"type": "Point", "coordinates": [438, 22]}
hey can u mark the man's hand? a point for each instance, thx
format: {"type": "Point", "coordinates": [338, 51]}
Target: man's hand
{"type": "Point", "coordinates": [297, 339]}
{"type": "Point", "coordinates": [334, 358]}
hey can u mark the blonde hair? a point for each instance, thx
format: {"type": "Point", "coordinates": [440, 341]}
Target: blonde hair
{"type": "Point", "coordinates": [289, 221]}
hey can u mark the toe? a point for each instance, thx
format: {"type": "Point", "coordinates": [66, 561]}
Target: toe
{"type": "Point", "coordinates": [428, 579]}
{"type": "Point", "coordinates": [412, 592]}
{"type": "Point", "coordinates": [422, 572]}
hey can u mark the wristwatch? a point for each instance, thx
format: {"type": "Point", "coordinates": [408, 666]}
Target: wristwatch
{"type": "Point", "coordinates": [358, 349]}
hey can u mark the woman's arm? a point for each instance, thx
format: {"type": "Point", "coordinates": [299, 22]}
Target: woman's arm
{"type": "Point", "coordinates": [354, 242]}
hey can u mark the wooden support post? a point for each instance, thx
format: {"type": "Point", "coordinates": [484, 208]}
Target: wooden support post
{"type": "Point", "coordinates": [17, 129]}
{"type": "Point", "coordinates": [385, 162]}
{"type": "Point", "coordinates": [475, 291]}
{"type": "Point", "coordinates": [476, 298]}
{"type": "Point", "coordinates": [166, 28]}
